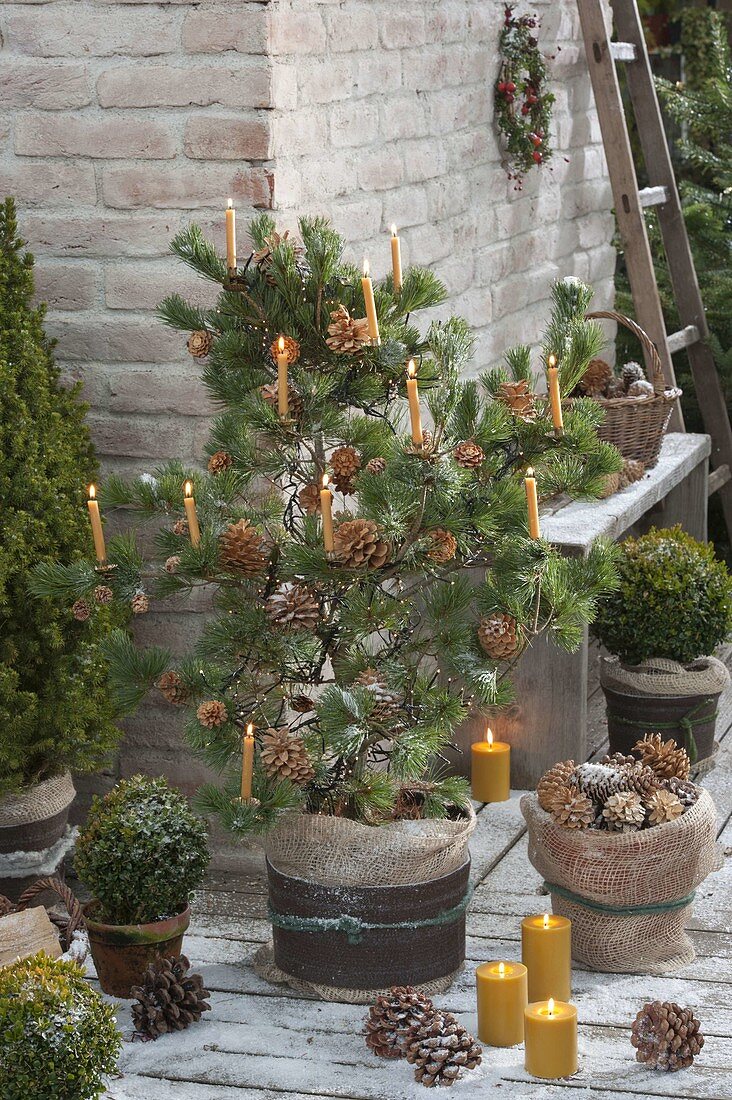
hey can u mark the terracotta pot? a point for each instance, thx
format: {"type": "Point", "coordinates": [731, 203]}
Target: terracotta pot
{"type": "Point", "coordinates": [121, 952]}
{"type": "Point", "coordinates": [35, 819]}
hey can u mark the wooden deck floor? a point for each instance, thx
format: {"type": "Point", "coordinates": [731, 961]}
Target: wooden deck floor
{"type": "Point", "coordinates": [259, 1043]}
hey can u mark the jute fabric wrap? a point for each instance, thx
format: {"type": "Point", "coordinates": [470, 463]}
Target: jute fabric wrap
{"type": "Point", "coordinates": [659, 676]}
{"type": "Point", "coordinates": [628, 895]}
{"type": "Point", "coordinates": [45, 799]}
{"type": "Point", "coordinates": [337, 852]}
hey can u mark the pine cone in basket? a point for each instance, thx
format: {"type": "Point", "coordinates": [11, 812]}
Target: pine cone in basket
{"type": "Point", "coordinates": [359, 545]}
{"type": "Point", "coordinates": [169, 998]}
{"type": "Point", "coordinates": [444, 546]}
{"type": "Point", "coordinates": [632, 372]}
{"type": "Point", "coordinates": [241, 549]}
{"type": "Point", "coordinates": [388, 701]}
{"type": "Point", "coordinates": [468, 455]}
{"type": "Point", "coordinates": [595, 380]}
{"type": "Point", "coordinates": [172, 688]}
{"type": "Point", "coordinates": [393, 1016]}
{"type": "Point", "coordinates": [347, 335]}
{"type": "Point", "coordinates": [686, 792]}
{"type": "Point", "coordinates": [624, 811]}
{"type": "Point", "coordinates": [641, 389]}
{"type": "Point", "coordinates": [666, 758]}
{"type": "Point", "coordinates": [641, 779]}
{"type": "Point", "coordinates": [553, 784]}
{"type": "Point", "coordinates": [284, 756]}
{"type": "Point", "coordinates": [293, 607]}
{"type": "Point", "coordinates": [440, 1049]}
{"type": "Point", "coordinates": [663, 806]}
{"type": "Point", "coordinates": [666, 1036]}
{"type": "Point", "coordinates": [499, 636]}
{"type": "Point", "coordinates": [345, 463]}
{"type": "Point", "coordinates": [573, 809]}
{"type": "Point", "coordinates": [518, 398]}
{"type": "Point", "coordinates": [599, 781]}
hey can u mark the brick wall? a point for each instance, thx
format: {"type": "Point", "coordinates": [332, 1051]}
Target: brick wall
{"type": "Point", "coordinates": [120, 122]}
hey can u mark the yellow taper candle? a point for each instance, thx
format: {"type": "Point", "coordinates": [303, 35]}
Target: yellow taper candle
{"type": "Point", "coordinates": [491, 770]}
{"type": "Point", "coordinates": [396, 259]}
{"type": "Point", "coordinates": [415, 414]}
{"type": "Point", "coordinates": [368, 297]}
{"type": "Point", "coordinates": [96, 525]}
{"type": "Point", "coordinates": [189, 504]}
{"type": "Point", "coordinates": [502, 998]}
{"type": "Point", "coordinates": [555, 398]}
{"type": "Point", "coordinates": [247, 763]}
{"type": "Point", "coordinates": [533, 504]}
{"type": "Point", "coordinates": [231, 237]}
{"type": "Point", "coordinates": [550, 1034]}
{"type": "Point", "coordinates": [282, 361]}
{"type": "Point", "coordinates": [546, 952]}
{"type": "Point", "coordinates": [326, 508]}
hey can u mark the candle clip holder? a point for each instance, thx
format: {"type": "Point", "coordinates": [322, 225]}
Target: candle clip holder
{"type": "Point", "coordinates": [234, 282]}
{"type": "Point", "coordinates": [253, 802]}
{"type": "Point", "coordinates": [105, 567]}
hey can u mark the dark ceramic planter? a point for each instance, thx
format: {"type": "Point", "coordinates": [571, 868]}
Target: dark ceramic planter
{"type": "Point", "coordinates": [122, 952]}
{"type": "Point", "coordinates": [35, 829]}
{"type": "Point", "coordinates": [689, 719]}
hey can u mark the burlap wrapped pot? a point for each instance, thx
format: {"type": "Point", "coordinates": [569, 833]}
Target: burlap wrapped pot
{"type": "Point", "coordinates": [629, 895]}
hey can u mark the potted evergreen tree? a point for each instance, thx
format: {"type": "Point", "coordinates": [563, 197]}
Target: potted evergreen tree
{"type": "Point", "coordinates": [141, 854]}
{"type": "Point", "coordinates": [55, 711]}
{"type": "Point", "coordinates": [673, 607]}
{"type": "Point", "coordinates": [350, 635]}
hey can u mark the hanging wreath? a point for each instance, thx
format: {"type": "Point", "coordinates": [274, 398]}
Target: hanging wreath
{"type": "Point", "coordinates": [523, 105]}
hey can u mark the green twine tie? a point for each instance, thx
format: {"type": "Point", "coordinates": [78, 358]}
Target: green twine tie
{"type": "Point", "coordinates": [687, 723]}
{"type": "Point", "coordinates": [621, 910]}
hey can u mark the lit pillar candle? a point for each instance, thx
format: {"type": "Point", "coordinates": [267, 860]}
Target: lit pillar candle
{"type": "Point", "coordinates": [189, 504]}
{"type": "Point", "coordinates": [415, 414]}
{"type": "Point", "coordinates": [533, 504]}
{"type": "Point", "coordinates": [282, 362]}
{"type": "Point", "coordinates": [502, 998]}
{"type": "Point", "coordinates": [247, 763]}
{"type": "Point", "coordinates": [546, 952]}
{"type": "Point", "coordinates": [550, 1034]}
{"type": "Point", "coordinates": [555, 398]}
{"type": "Point", "coordinates": [231, 237]}
{"type": "Point", "coordinates": [96, 525]}
{"type": "Point", "coordinates": [326, 508]}
{"type": "Point", "coordinates": [368, 297]}
{"type": "Point", "coordinates": [491, 770]}
{"type": "Point", "coordinates": [396, 259]}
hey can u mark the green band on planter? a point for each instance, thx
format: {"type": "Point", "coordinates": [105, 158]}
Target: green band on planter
{"type": "Point", "coordinates": [621, 910]}
{"type": "Point", "coordinates": [686, 723]}
{"type": "Point", "coordinates": [354, 928]}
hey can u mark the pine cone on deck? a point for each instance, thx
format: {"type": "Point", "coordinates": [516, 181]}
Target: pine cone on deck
{"type": "Point", "coordinates": [519, 399]}
{"type": "Point", "coordinates": [169, 998]}
{"type": "Point", "coordinates": [241, 549]}
{"type": "Point", "coordinates": [553, 784]}
{"type": "Point", "coordinates": [388, 701]}
{"type": "Point", "coordinates": [309, 498]}
{"type": "Point", "coordinates": [359, 545]}
{"type": "Point", "coordinates": [393, 1016]}
{"type": "Point", "coordinates": [293, 607]}
{"type": "Point", "coordinates": [499, 636]}
{"type": "Point", "coordinates": [284, 756]}
{"type": "Point", "coordinates": [172, 688]}
{"type": "Point", "coordinates": [666, 1036]}
{"type": "Point", "coordinates": [624, 811]}
{"type": "Point", "coordinates": [666, 758]}
{"type": "Point", "coordinates": [199, 343]}
{"type": "Point", "coordinates": [219, 462]}
{"type": "Point", "coordinates": [595, 380]}
{"type": "Point", "coordinates": [291, 349]}
{"type": "Point", "coordinates": [440, 1049]}
{"type": "Point", "coordinates": [663, 806]}
{"type": "Point", "coordinates": [444, 546]}
{"type": "Point", "coordinates": [345, 463]}
{"type": "Point", "coordinates": [631, 472]}
{"type": "Point", "coordinates": [573, 809]}
{"type": "Point", "coordinates": [468, 455]}
{"type": "Point", "coordinates": [347, 335]}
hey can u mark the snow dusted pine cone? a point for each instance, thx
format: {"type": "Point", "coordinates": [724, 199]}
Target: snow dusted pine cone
{"type": "Point", "coordinates": [291, 349]}
{"type": "Point", "coordinates": [553, 784]}
{"type": "Point", "coordinates": [212, 713]}
{"type": "Point", "coordinates": [444, 546]}
{"type": "Point", "coordinates": [241, 549]}
{"type": "Point", "coordinates": [624, 811]}
{"type": "Point", "coordinates": [391, 1018]}
{"type": "Point", "coordinates": [665, 758]}
{"type": "Point", "coordinates": [309, 497]}
{"type": "Point", "coordinates": [219, 462]}
{"type": "Point", "coordinates": [666, 1036]}
{"type": "Point", "coordinates": [686, 792]}
{"type": "Point", "coordinates": [573, 809]}
{"type": "Point", "coordinates": [596, 378]}
{"type": "Point", "coordinates": [172, 688]}
{"type": "Point", "coordinates": [632, 372]}
{"type": "Point", "coordinates": [169, 998]}
{"type": "Point", "coordinates": [345, 463]}
{"type": "Point", "coordinates": [388, 701]}
{"type": "Point", "coordinates": [663, 806]}
{"type": "Point", "coordinates": [599, 781]}
{"type": "Point", "coordinates": [180, 527]}
{"type": "Point", "coordinates": [347, 335]}
{"type": "Point", "coordinates": [199, 343]}
{"type": "Point", "coordinates": [172, 563]}
{"type": "Point", "coordinates": [468, 455]}
{"type": "Point", "coordinates": [440, 1049]}
{"type": "Point", "coordinates": [642, 388]}
{"type": "Point", "coordinates": [499, 636]}
{"type": "Point", "coordinates": [359, 545]}
{"type": "Point", "coordinates": [293, 607]}
{"type": "Point", "coordinates": [284, 756]}
{"type": "Point", "coordinates": [519, 399]}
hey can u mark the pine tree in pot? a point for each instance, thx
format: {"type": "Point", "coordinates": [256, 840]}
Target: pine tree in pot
{"type": "Point", "coordinates": [672, 609]}
{"type": "Point", "coordinates": [347, 627]}
{"type": "Point", "coordinates": [141, 854]}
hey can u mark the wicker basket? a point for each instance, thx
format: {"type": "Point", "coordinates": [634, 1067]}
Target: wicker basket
{"type": "Point", "coordinates": [637, 426]}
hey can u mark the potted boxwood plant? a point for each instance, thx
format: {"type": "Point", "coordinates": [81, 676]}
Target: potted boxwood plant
{"type": "Point", "coordinates": [140, 854]}
{"type": "Point", "coordinates": [673, 607]}
{"type": "Point", "coordinates": [59, 1037]}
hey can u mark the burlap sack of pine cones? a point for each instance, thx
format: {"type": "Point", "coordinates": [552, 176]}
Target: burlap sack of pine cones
{"type": "Point", "coordinates": [629, 895]}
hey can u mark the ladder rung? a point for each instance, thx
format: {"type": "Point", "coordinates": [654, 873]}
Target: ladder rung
{"type": "Point", "coordinates": [623, 51]}
{"type": "Point", "coordinates": [718, 478]}
{"type": "Point", "coordinates": [684, 338]}
{"type": "Point", "coordinates": [653, 196]}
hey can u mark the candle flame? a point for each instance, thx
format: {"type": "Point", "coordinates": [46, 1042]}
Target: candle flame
{"type": "Point", "coordinates": [552, 360]}
{"type": "Point", "coordinates": [501, 970]}
{"type": "Point", "coordinates": [281, 343]}
{"type": "Point", "coordinates": [393, 230]}
{"type": "Point", "coordinates": [92, 492]}
{"type": "Point", "coordinates": [188, 489]}
{"type": "Point", "coordinates": [366, 267]}
{"type": "Point", "coordinates": [326, 479]}
{"type": "Point", "coordinates": [411, 368]}
{"type": "Point", "coordinates": [530, 471]}
{"type": "Point", "coordinates": [230, 203]}
{"type": "Point", "coordinates": [250, 729]}
{"type": "Point", "coordinates": [489, 736]}
{"type": "Point", "coordinates": [550, 1006]}
{"type": "Point", "coordinates": [546, 920]}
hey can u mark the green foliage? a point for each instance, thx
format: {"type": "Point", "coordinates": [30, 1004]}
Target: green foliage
{"type": "Point", "coordinates": [523, 106]}
{"type": "Point", "coordinates": [674, 600]}
{"type": "Point", "coordinates": [59, 1037]}
{"type": "Point", "coordinates": [54, 709]}
{"type": "Point", "coordinates": [141, 852]}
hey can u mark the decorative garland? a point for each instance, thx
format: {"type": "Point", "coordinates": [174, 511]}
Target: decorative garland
{"type": "Point", "coordinates": [523, 106]}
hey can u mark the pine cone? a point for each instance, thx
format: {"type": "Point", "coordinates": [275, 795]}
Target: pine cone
{"type": "Point", "coordinates": [624, 811]}
{"type": "Point", "coordinates": [444, 546]}
{"type": "Point", "coordinates": [499, 636]}
{"type": "Point", "coordinates": [388, 701]}
{"type": "Point", "coordinates": [393, 1016]}
{"type": "Point", "coordinates": [519, 399]}
{"type": "Point", "coordinates": [440, 1049]}
{"type": "Point", "coordinates": [642, 389]}
{"type": "Point", "coordinates": [241, 549]}
{"type": "Point", "coordinates": [302, 704]}
{"type": "Point", "coordinates": [180, 527]}
{"type": "Point", "coordinates": [172, 687]}
{"type": "Point", "coordinates": [468, 455]}
{"type": "Point", "coordinates": [347, 335]}
{"type": "Point", "coordinates": [553, 784]}
{"type": "Point", "coordinates": [140, 604]}
{"type": "Point", "coordinates": [686, 792]}
{"type": "Point", "coordinates": [81, 610]}
{"type": "Point", "coordinates": [599, 781]}
{"type": "Point", "coordinates": [212, 714]}
{"type": "Point", "coordinates": [359, 545]}
{"type": "Point", "coordinates": [270, 394]}
{"type": "Point", "coordinates": [663, 806]}
{"type": "Point", "coordinates": [262, 258]}
{"type": "Point", "coordinates": [595, 380]}
{"type": "Point", "coordinates": [631, 472]}
{"type": "Point", "coordinates": [291, 349]}
{"type": "Point", "coordinates": [309, 497]}
{"type": "Point", "coordinates": [172, 563]}
{"type": "Point", "coordinates": [610, 486]}
{"type": "Point", "coordinates": [103, 594]}
{"type": "Point", "coordinates": [345, 463]}
{"type": "Point", "coordinates": [615, 388]}
{"type": "Point", "coordinates": [284, 756]}
{"type": "Point", "coordinates": [293, 607]}
{"type": "Point", "coordinates": [199, 343]}
{"type": "Point", "coordinates": [573, 809]}
{"type": "Point", "coordinates": [376, 466]}
{"type": "Point", "coordinates": [169, 998]}
{"type": "Point", "coordinates": [665, 758]}
{"type": "Point", "coordinates": [219, 462]}
{"type": "Point", "coordinates": [641, 779]}
{"type": "Point", "coordinates": [666, 1036]}
{"type": "Point", "coordinates": [632, 372]}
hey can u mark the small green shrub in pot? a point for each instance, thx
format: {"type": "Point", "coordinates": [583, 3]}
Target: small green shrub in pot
{"type": "Point", "coordinates": [58, 1038]}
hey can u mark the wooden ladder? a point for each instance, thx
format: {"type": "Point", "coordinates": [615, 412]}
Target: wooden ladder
{"type": "Point", "coordinates": [662, 193]}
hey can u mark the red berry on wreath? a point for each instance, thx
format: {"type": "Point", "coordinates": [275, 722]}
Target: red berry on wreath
{"type": "Point", "coordinates": [537, 156]}
{"type": "Point", "coordinates": [536, 139]}
{"type": "Point", "coordinates": [501, 85]}
{"type": "Point", "coordinates": [511, 87]}
{"type": "Point", "coordinates": [524, 110]}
